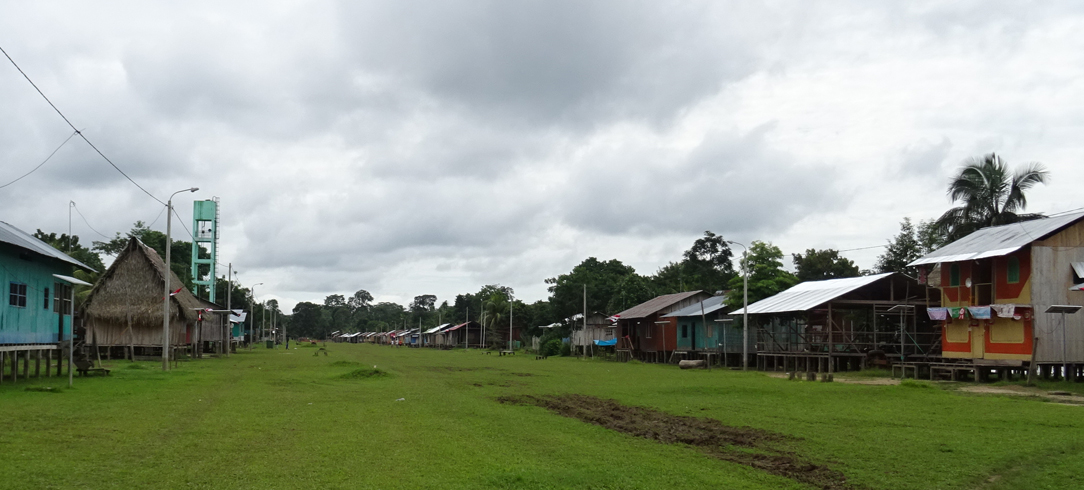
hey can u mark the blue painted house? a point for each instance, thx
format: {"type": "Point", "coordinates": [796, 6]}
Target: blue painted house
{"type": "Point", "coordinates": [36, 304]}
{"type": "Point", "coordinates": [721, 334]}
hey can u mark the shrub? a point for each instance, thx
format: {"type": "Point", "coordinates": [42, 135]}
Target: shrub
{"type": "Point", "coordinates": [551, 347]}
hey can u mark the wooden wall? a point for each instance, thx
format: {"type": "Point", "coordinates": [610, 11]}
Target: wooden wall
{"type": "Point", "coordinates": [1052, 275]}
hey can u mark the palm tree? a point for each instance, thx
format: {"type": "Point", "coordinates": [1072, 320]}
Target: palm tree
{"type": "Point", "coordinates": [990, 195]}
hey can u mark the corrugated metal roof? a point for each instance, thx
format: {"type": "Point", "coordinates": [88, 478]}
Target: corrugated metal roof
{"type": "Point", "coordinates": [653, 306]}
{"type": "Point", "coordinates": [810, 294]}
{"type": "Point", "coordinates": [997, 241]}
{"type": "Point", "coordinates": [711, 305]}
{"type": "Point", "coordinates": [19, 238]}
{"type": "Point", "coordinates": [436, 328]}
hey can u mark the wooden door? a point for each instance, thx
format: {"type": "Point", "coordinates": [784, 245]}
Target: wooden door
{"type": "Point", "coordinates": [978, 341]}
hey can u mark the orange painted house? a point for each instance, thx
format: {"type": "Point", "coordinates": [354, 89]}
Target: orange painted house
{"type": "Point", "coordinates": [1005, 277]}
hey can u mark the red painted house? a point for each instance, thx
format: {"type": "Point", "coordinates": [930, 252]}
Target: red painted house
{"type": "Point", "coordinates": [644, 334]}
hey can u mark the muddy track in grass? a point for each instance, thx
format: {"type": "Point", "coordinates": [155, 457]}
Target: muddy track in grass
{"type": "Point", "coordinates": [747, 446]}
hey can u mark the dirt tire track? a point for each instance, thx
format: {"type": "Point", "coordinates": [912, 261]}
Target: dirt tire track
{"type": "Point", "coordinates": [756, 448]}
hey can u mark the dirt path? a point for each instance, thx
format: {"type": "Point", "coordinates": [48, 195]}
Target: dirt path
{"type": "Point", "coordinates": [757, 448]}
{"type": "Point", "coordinates": [856, 380]}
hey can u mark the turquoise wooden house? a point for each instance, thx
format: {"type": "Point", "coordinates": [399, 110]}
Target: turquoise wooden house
{"type": "Point", "coordinates": [721, 334]}
{"type": "Point", "coordinates": [36, 306]}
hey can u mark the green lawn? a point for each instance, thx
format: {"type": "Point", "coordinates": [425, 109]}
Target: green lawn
{"type": "Point", "coordinates": [275, 419]}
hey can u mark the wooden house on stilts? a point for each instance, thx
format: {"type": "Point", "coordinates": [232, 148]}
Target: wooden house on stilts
{"type": "Point", "coordinates": [998, 287]}
{"type": "Point", "coordinates": [645, 333]}
{"type": "Point", "coordinates": [846, 324]}
{"type": "Point", "coordinates": [123, 314]}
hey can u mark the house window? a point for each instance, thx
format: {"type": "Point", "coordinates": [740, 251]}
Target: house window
{"type": "Point", "coordinates": [1014, 270]}
{"type": "Point", "coordinates": [954, 275]}
{"type": "Point", "coordinates": [684, 331]}
{"type": "Point", "coordinates": [46, 302]}
{"type": "Point", "coordinates": [17, 295]}
{"type": "Point", "coordinates": [61, 298]}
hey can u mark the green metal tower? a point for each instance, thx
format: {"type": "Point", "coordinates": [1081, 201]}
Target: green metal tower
{"type": "Point", "coordinates": [204, 247]}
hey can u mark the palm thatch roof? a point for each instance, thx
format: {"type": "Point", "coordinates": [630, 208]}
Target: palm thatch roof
{"type": "Point", "coordinates": [134, 284]}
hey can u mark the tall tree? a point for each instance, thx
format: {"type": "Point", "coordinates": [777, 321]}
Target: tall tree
{"type": "Point", "coordinates": [903, 249]}
{"type": "Point", "coordinates": [989, 194]}
{"type": "Point", "coordinates": [818, 265]}
{"type": "Point", "coordinates": [706, 266]}
{"type": "Point", "coordinates": [767, 277]}
{"type": "Point", "coordinates": [601, 279]}
{"type": "Point", "coordinates": [360, 299]}
{"type": "Point", "coordinates": [72, 247]}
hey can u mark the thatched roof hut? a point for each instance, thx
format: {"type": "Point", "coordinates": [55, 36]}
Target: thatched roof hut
{"type": "Point", "coordinates": [125, 306]}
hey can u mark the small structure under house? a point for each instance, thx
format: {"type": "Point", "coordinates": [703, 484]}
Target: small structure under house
{"type": "Point", "coordinates": [644, 334]}
{"type": "Point", "coordinates": [998, 286]}
{"type": "Point", "coordinates": [124, 310]}
{"type": "Point", "coordinates": [846, 324]}
{"type": "Point", "coordinates": [35, 320]}
{"type": "Point", "coordinates": [706, 332]}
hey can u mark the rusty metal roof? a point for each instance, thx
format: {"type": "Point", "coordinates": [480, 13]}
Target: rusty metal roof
{"type": "Point", "coordinates": [996, 241]}
{"type": "Point", "coordinates": [655, 305]}
{"type": "Point", "coordinates": [811, 294]}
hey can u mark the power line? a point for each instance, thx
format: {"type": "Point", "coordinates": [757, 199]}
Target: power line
{"type": "Point", "coordinates": [862, 248]}
{"type": "Point", "coordinates": [43, 161]}
{"type": "Point", "coordinates": [81, 135]}
{"type": "Point", "coordinates": [88, 223]}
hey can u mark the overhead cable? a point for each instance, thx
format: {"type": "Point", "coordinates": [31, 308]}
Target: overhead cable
{"type": "Point", "coordinates": [81, 135]}
{"type": "Point", "coordinates": [43, 161]}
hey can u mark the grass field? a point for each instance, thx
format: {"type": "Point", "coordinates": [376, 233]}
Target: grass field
{"type": "Point", "coordinates": [434, 419]}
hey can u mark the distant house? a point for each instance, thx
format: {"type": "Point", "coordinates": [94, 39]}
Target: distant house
{"type": "Point", "coordinates": [598, 327]}
{"type": "Point", "coordinates": [845, 324]}
{"type": "Point", "coordinates": [124, 310]}
{"type": "Point", "coordinates": [997, 284]}
{"type": "Point", "coordinates": [721, 335]}
{"type": "Point", "coordinates": [643, 332]}
{"type": "Point", "coordinates": [452, 336]}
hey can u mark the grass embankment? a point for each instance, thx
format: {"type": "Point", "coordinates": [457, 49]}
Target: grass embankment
{"type": "Point", "coordinates": [381, 417]}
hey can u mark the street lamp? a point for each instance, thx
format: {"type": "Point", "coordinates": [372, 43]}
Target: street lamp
{"type": "Point", "coordinates": [167, 273]}
{"type": "Point", "coordinates": [254, 307]}
{"type": "Point", "coordinates": [509, 320]}
{"type": "Point", "coordinates": [745, 307]}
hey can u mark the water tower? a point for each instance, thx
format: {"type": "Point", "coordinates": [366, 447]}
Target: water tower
{"type": "Point", "coordinates": [204, 248]}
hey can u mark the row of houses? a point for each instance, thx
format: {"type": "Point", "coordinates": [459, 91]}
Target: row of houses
{"type": "Point", "coordinates": [996, 301]}
{"type": "Point", "coordinates": [444, 336]}
{"type": "Point", "coordinates": [122, 317]}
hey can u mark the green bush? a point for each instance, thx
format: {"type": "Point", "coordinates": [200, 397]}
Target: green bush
{"type": "Point", "coordinates": [551, 347]}
{"type": "Point", "coordinates": [566, 349]}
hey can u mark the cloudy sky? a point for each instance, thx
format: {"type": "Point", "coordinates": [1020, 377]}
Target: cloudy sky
{"type": "Point", "coordinates": [409, 148]}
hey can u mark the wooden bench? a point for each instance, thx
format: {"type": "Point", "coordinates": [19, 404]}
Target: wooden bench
{"type": "Point", "coordinates": [84, 368]}
{"type": "Point", "coordinates": [508, 352]}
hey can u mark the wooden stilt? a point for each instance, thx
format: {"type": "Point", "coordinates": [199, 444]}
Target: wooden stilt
{"type": "Point", "coordinates": [37, 363]}
{"type": "Point", "coordinates": [26, 364]}
{"type": "Point", "coordinates": [48, 362]}
{"type": "Point", "coordinates": [14, 366]}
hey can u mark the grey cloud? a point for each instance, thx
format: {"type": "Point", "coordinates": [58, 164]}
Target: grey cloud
{"type": "Point", "coordinates": [730, 184]}
{"type": "Point", "coordinates": [923, 159]}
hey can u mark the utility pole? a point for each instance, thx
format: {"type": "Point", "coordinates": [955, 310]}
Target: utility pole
{"type": "Point", "coordinates": [229, 314]}
{"type": "Point", "coordinates": [583, 335]}
{"type": "Point", "coordinates": [510, 321]}
{"type": "Point", "coordinates": [466, 336]}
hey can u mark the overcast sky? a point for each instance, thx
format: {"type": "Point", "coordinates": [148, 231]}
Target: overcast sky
{"type": "Point", "coordinates": [433, 147]}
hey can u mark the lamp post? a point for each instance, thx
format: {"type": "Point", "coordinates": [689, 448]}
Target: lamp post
{"type": "Point", "coordinates": [510, 321]}
{"type": "Point", "coordinates": [167, 273]}
{"type": "Point", "coordinates": [745, 307]}
{"type": "Point", "coordinates": [254, 309]}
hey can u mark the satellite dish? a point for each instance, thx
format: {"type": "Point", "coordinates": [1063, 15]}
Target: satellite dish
{"type": "Point", "coordinates": [968, 282]}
